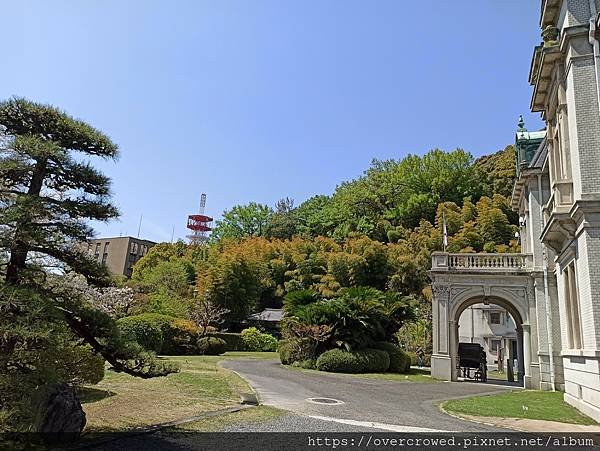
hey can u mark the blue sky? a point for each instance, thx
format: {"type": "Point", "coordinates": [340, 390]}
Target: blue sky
{"type": "Point", "coordinates": [258, 100]}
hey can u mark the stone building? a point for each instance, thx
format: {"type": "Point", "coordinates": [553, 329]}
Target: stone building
{"type": "Point", "coordinates": [551, 289]}
{"type": "Point", "coordinates": [119, 254]}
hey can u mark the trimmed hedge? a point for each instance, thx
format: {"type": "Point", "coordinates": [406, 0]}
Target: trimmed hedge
{"type": "Point", "coordinates": [233, 341]}
{"type": "Point", "coordinates": [363, 361]}
{"type": "Point", "coordinates": [176, 336]}
{"type": "Point", "coordinates": [211, 346]}
{"type": "Point", "coordinates": [399, 360]}
{"type": "Point", "coordinates": [255, 340]}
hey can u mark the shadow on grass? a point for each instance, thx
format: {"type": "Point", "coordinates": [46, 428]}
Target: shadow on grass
{"type": "Point", "coordinates": [88, 395]}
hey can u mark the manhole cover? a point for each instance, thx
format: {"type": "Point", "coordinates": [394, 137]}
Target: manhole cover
{"type": "Point", "coordinates": [329, 401]}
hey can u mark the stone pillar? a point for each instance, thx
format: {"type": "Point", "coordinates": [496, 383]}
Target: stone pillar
{"type": "Point", "coordinates": [520, 364]}
{"type": "Point", "coordinates": [525, 365]}
{"type": "Point", "coordinates": [453, 333]}
{"type": "Point", "coordinates": [441, 362]}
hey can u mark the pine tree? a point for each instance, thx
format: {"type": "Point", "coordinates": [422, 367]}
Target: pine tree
{"type": "Point", "coordinates": [48, 192]}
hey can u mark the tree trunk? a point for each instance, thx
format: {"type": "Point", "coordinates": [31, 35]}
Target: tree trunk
{"type": "Point", "coordinates": [20, 247]}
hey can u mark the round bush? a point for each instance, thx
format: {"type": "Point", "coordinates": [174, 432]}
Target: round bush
{"type": "Point", "coordinates": [139, 329]}
{"type": "Point", "coordinates": [399, 360]}
{"type": "Point", "coordinates": [363, 361]}
{"type": "Point", "coordinates": [211, 346]}
{"type": "Point", "coordinates": [255, 340]}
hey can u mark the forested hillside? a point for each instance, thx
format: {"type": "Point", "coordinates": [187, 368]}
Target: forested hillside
{"type": "Point", "coordinates": [377, 231]}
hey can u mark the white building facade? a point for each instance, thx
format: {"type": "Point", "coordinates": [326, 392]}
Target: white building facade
{"type": "Point", "coordinates": [565, 75]}
{"type": "Point", "coordinates": [552, 289]}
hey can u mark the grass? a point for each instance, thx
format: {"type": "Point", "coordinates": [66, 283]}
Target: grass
{"type": "Point", "coordinates": [121, 402]}
{"type": "Point", "coordinates": [531, 404]}
{"type": "Point", "coordinates": [414, 375]}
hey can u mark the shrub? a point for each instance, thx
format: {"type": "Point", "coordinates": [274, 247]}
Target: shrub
{"type": "Point", "coordinates": [363, 361]}
{"type": "Point", "coordinates": [399, 360]}
{"type": "Point", "coordinates": [296, 349]}
{"type": "Point", "coordinates": [413, 358]}
{"type": "Point", "coordinates": [140, 329]}
{"type": "Point", "coordinates": [310, 364]}
{"type": "Point", "coordinates": [178, 336]}
{"type": "Point", "coordinates": [211, 346]}
{"type": "Point", "coordinates": [233, 341]}
{"type": "Point", "coordinates": [255, 340]}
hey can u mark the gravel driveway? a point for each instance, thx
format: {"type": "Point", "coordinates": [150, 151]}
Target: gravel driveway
{"type": "Point", "coordinates": [391, 405]}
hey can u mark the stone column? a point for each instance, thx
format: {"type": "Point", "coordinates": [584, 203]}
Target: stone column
{"type": "Point", "coordinates": [525, 365]}
{"type": "Point", "coordinates": [453, 335]}
{"type": "Point", "coordinates": [441, 365]}
{"type": "Point", "coordinates": [520, 348]}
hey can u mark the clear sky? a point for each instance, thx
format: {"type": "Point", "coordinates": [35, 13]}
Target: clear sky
{"type": "Point", "coordinates": [254, 100]}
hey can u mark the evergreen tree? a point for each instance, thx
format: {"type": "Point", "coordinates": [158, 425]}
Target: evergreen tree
{"type": "Point", "coordinates": [48, 192]}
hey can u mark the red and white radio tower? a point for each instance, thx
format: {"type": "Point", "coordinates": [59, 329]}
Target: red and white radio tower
{"type": "Point", "coordinates": [199, 224]}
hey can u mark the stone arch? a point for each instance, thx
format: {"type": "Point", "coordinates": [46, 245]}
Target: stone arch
{"type": "Point", "coordinates": [452, 297]}
{"type": "Point", "coordinates": [512, 307]}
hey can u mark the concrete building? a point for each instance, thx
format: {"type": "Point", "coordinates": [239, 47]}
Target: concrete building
{"type": "Point", "coordinates": [551, 289]}
{"type": "Point", "coordinates": [119, 254]}
{"type": "Point", "coordinates": [493, 328]}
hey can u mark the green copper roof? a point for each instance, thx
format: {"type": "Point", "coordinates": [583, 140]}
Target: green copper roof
{"type": "Point", "coordinates": [526, 144]}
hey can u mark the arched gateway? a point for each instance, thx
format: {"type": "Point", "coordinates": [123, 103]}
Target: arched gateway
{"type": "Point", "coordinates": [461, 280]}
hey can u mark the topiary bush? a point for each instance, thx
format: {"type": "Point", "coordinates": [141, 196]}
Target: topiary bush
{"type": "Point", "coordinates": [143, 331]}
{"type": "Point", "coordinates": [211, 346]}
{"type": "Point", "coordinates": [399, 360]}
{"type": "Point", "coordinates": [232, 340]}
{"type": "Point", "coordinates": [363, 361]}
{"type": "Point", "coordinates": [255, 340]}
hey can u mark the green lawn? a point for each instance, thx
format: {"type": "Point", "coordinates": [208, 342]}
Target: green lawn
{"type": "Point", "coordinates": [414, 375]}
{"type": "Point", "coordinates": [532, 404]}
{"type": "Point", "coordinates": [121, 402]}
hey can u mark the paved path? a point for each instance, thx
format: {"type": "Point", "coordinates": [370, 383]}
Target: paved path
{"type": "Point", "coordinates": [390, 405]}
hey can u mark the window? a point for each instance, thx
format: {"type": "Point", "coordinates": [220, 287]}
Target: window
{"type": "Point", "coordinates": [104, 258]}
{"type": "Point", "coordinates": [495, 317]}
{"type": "Point", "coordinates": [574, 337]}
{"type": "Point", "coordinates": [97, 251]}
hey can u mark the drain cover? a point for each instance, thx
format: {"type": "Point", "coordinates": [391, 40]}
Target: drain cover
{"type": "Point", "coordinates": [329, 401]}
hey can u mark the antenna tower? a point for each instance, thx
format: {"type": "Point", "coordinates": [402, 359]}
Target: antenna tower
{"type": "Point", "coordinates": [199, 224]}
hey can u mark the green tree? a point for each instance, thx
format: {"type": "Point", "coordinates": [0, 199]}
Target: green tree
{"type": "Point", "coordinates": [243, 221]}
{"type": "Point", "coordinates": [47, 195]}
{"type": "Point", "coordinates": [283, 224]}
{"type": "Point", "coordinates": [497, 172]}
